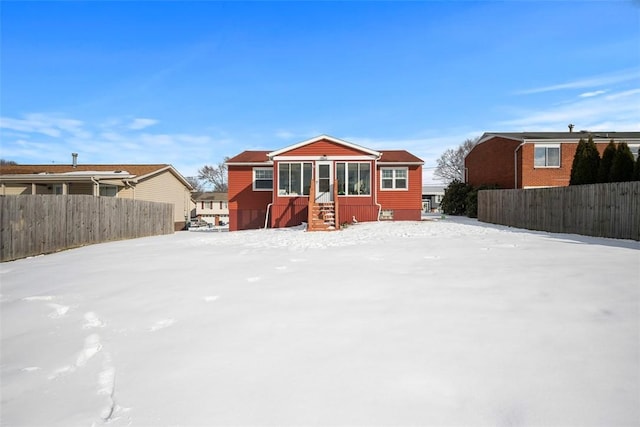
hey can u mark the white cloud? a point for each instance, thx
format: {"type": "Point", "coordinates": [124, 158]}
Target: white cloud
{"type": "Point", "coordinates": [589, 82]}
{"type": "Point", "coordinates": [140, 123]}
{"type": "Point", "coordinates": [618, 111]}
{"type": "Point", "coordinates": [591, 94]}
{"type": "Point", "coordinates": [45, 124]}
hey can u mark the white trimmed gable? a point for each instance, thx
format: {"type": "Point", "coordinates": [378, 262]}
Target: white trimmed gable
{"type": "Point", "coordinates": [272, 154]}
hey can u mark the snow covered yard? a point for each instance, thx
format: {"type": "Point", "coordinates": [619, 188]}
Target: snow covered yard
{"type": "Point", "coordinates": [447, 322]}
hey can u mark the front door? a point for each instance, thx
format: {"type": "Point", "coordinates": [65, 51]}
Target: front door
{"type": "Point", "coordinates": [324, 182]}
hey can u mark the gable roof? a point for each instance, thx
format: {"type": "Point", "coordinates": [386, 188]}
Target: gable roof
{"type": "Point", "coordinates": [321, 138]}
{"type": "Point", "coordinates": [134, 172]}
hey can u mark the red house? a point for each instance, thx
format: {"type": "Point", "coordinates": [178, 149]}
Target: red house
{"type": "Point", "coordinates": [325, 182]}
{"type": "Point", "coordinates": [533, 159]}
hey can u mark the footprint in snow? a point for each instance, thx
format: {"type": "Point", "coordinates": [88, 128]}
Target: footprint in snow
{"type": "Point", "coordinates": [58, 311]}
{"type": "Point", "coordinates": [91, 347]}
{"type": "Point", "coordinates": [210, 298]}
{"type": "Point", "coordinates": [431, 257]}
{"type": "Point", "coordinates": [253, 279]}
{"type": "Point", "coordinates": [92, 321]}
{"type": "Point", "coordinates": [281, 267]}
{"type": "Point", "coordinates": [161, 324]}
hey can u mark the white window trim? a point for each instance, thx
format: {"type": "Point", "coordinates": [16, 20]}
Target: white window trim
{"type": "Point", "coordinates": [406, 169]}
{"type": "Point", "coordinates": [301, 178]}
{"type": "Point", "coordinates": [547, 166]}
{"type": "Point", "coordinates": [253, 183]}
{"type": "Point", "coordinates": [346, 180]}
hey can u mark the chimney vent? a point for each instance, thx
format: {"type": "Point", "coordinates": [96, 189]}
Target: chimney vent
{"type": "Point", "coordinates": [75, 159]}
{"type": "Point", "coordinates": [570, 127]}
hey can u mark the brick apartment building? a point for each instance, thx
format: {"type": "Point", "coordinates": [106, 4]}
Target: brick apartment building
{"type": "Point", "coordinates": [533, 159]}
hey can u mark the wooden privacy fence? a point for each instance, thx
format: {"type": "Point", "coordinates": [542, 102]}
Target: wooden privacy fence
{"type": "Point", "coordinates": [39, 224]}
{"type": "Point", "coordinates": [601, 210]}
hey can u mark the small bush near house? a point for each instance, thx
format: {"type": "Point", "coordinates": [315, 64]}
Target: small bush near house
{"type": "Point", "coordinates": [636, 172]}
{"type": "Point", "coordinates": [454, 201]}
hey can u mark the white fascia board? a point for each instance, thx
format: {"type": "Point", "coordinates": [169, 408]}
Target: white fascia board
{"type": "Point", "coordinates": [321, 158]}
{"type": "Point", "coordinates": [53, 178]}
{"type": "Point", "coordinates": [328, 138]}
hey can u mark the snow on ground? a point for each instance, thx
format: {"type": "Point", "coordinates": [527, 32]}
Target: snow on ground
{"type": "Point", "coordinates": [448, 322]}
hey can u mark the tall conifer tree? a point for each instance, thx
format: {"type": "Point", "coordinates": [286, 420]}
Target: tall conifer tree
{"type": "Point", "coordinates": [623, 165]}
{"type": "Point", "coordinates": [585, 163]}
{"type": "Point", "coordinates": [575, 166]}
{"type": "Point", "coordinates": [605, 163]}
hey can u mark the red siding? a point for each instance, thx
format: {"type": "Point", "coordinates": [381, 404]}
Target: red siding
{"type": "Point", "coordinates": [403, 200]}
{"type": "Point", "coordinates": [289, 211]}
{"type": "Point", "coordinates": [324, 147]}
{"type": "Point", "coordinates": [247, 208]}
{"type": "Point", "coordinates": [362, 213]}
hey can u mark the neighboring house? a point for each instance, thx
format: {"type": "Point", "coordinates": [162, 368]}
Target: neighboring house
{"type": "Point", "coordinates": [325, 182]}
{"type": "Point", "coordinates": [431, 197]}
{"type": "Point", "coordinates": [211, 207]}
{"type": "Point", "coordinates": [156, 183]}
{"type": "Point", "coordinates": [533, 159]}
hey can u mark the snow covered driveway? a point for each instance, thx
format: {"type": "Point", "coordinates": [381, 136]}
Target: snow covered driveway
{"type": "Point", "coordinates": [448, 322]}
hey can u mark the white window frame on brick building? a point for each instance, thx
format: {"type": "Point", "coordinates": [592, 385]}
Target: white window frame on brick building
{"type": "Point", "coordinates": [542, 157]}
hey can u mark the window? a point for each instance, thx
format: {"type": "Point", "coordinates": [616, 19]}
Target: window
{"type": "Point", "coordinates": [57, 188]}
{"type": "Point", "coordinates": [354, 179]}
{"type": "Point", "coordinates": [262, 179]}
{"type": "Point", "coordinates": [394, 179]}
{"type": "Point", "coordinates": [547, 156]}
{"type": "Point", "coordinates": [635, 149]}
{"type": "Point", "coordinates": [108, 190]}
{"type": "Point", "coordinates": [294, 179]}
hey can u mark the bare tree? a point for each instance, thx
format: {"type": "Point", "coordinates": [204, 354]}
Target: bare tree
{"type": "Point", "coordinates": [195, 183]}
{"type": "Point", "coordinates": [215, 175]}
{"type": "Point", "coordinates": [4, 162]}
{"type": "Point", "coordinates": [451, 163]}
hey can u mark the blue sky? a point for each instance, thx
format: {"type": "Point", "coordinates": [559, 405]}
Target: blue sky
{"type": "Point", "coordinates": [189, 83]}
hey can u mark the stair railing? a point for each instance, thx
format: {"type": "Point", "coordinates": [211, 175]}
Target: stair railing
{"type": "Point", "coordinates": [312, 202]}
{"type": "Point", "coordinates": [336, 217]}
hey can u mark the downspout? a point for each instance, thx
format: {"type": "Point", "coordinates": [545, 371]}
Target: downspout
{"type": "Point", "coordinates": [97, 187]}
{"type": "Point", "coordinates": [266, 218]}
{"type": "Point", "coordinates": [375, 199]}
{"type": "Point", "coordinates": [515, 164]}
{"type": "Point", "coordinates": [127, 182]}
